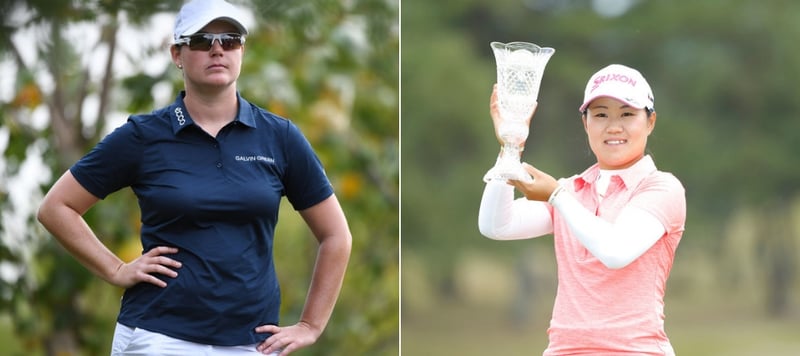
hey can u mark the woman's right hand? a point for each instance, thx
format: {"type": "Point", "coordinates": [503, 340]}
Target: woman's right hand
{"type": "Point", "coordinates": [494, 111]}
{"type": "Point", "coordinates": [142, 268]}
{"type": "Point", "coordinates": [61, 213]}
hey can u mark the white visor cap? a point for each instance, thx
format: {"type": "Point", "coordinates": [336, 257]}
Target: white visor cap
{"type": "Point", "coordinates": [196, 14]}
{"type": "Point", "coordinates": [622, 83]}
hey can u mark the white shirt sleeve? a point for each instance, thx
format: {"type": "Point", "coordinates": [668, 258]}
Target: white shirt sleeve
{"type": "Point", "coordinates": [615, 244]}
{"type": "Point", "coordinates": [503, 218]}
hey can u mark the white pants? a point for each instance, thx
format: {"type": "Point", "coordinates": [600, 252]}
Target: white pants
{"type": "Point", "coordinates": [139, 342]}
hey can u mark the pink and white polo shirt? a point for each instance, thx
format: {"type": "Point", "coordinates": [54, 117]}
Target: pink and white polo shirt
{"type": "Point", "coordinates": [604, 311]}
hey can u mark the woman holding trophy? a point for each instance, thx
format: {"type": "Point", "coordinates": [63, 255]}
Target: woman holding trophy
{"type": "Point", "coordinates": [616, 225]}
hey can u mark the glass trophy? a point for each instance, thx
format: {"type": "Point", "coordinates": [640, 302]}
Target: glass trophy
{"type": "Point", "coordinates": [519, 74]}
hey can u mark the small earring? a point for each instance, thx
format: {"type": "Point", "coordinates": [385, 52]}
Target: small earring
{"type": "Point", "coordinates": [180, 66]}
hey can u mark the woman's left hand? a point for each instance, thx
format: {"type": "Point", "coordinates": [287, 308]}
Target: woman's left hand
{"type": "Point", "coordinates": [540, 188]}
{"type": "Point", "coordinates": [286, 339]}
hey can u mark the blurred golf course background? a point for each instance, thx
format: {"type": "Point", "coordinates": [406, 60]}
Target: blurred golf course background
{"type": "Point", "coordinates": [725, 79]}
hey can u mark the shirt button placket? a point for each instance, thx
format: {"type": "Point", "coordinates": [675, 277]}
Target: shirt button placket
{"type": "Point", "coordinates": [219, 154]}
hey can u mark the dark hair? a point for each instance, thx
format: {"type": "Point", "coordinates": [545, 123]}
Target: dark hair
{"type": "Point", "coordinates": [650, 112]}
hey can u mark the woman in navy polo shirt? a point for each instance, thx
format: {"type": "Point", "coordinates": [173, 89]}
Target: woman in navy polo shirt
{"type": "Point", "coordinates": [209, 172]}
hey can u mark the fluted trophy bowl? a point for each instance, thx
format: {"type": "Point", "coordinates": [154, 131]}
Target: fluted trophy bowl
{"type": "Point", "coordinates": [519, 75]}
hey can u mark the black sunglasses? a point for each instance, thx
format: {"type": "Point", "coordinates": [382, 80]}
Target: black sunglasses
{"type": "Point", "coordinates": [204, 41]}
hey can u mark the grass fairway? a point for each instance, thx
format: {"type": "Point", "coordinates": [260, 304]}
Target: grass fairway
{"type": "Point", "coordinates": [459, 330]}
{"type": "Point", "coordinates": [695, 330]}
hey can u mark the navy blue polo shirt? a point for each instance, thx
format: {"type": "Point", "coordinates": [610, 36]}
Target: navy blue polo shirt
{"type": "Point", "coordinates": [216, 199]}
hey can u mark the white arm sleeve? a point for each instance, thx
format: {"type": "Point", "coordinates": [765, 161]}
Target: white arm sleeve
{"type": "Point", "coordinates": [615, 244]}
{"type": "Point", "coordinates": [503, 218]}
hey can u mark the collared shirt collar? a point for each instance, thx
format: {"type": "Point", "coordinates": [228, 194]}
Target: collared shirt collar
{"type": "Point", "coordinates": [630, 176]}
{"type": "Point", "coordinates": [180, 118]}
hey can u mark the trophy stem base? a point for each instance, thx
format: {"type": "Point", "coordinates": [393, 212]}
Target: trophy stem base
{"type": "Point", "coordinates": [508, 167]}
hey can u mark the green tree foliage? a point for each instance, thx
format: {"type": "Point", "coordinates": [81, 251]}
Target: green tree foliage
{"type": "Point", "coordinates": [330, 66]}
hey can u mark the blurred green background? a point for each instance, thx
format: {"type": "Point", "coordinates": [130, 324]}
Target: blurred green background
{"type": "Point", "coordinates": [723, 72]}
{"type": "Point", "coordinates": [724, 75]}
{"type": "Point", "coordinates": [71, 71]}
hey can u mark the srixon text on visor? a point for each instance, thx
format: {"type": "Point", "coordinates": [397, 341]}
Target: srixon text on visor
{"type": "Point", "coordinates": [613, 77]}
